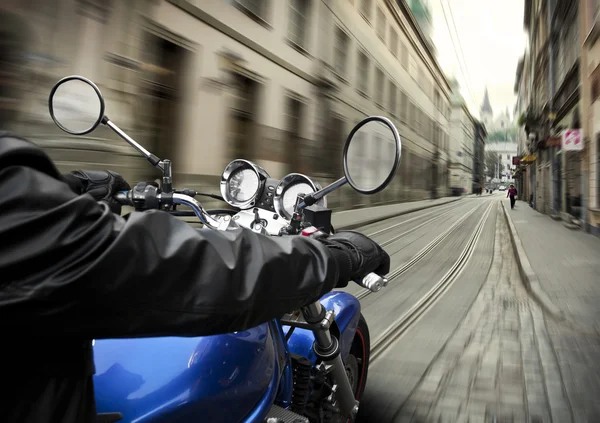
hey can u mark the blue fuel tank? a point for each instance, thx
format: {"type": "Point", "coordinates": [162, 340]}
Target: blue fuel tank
{"type": "Point", "coordinates": [218, 378]}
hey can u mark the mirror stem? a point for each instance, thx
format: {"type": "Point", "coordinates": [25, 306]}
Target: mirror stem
{"type": "Point", "coordinates": [167, 185]}
{"type": "Point", "coordinates": [154, 161]}
{"type": "Point", "coordinates": [311, 199]}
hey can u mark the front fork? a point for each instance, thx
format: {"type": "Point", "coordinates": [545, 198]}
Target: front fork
{"type": "Point", "coordinates": [327, 348]}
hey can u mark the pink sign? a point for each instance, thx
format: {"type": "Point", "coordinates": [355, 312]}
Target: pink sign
{"type": "Point", "coordinates": [572, 139]}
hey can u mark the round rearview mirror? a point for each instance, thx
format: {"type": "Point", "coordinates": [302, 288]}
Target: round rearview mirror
{"type": "Point", "coordinates": [76, 105]}
{"type": "Point", "coordinates": [372, 154]}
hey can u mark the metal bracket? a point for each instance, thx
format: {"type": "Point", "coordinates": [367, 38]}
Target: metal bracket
{"type": "Point", "coordinates": [328, 320]}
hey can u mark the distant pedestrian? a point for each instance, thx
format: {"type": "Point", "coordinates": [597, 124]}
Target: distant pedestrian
{"type": "Point", "coordinates": [512, 193]}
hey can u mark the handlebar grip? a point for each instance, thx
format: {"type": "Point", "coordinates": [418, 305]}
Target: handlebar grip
{"type": "Point", "coordinates": [373, 282]}
{"type": "Point", "coordinates": [124, 198]}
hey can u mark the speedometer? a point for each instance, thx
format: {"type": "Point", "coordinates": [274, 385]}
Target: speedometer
{"type": "Point", "coordinates": [241, 183]}
{"type": "Point", "coordinates": [287, 192]}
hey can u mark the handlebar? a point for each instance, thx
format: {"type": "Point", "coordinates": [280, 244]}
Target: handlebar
{"type": "Point", "coordinates": [123, 198]}
{"type": "Point", "coordinates": [373, 282]}
{"type": "Point", "coordinates": [126, 198]}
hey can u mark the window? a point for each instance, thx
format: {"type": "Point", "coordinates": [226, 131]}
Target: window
{"type": "Point", "coordinates": [381, 24]}
{"type": "Point", "coordinates": [256, 8]}
{"type": "Point", "coordinates": [365, 8]}
{"type": "Point", "coordinates": [341, 51]}
{"type": "Point", "coordinates": [404, 56]}
{"type": "Point", "coordinates": [298, 21]}
{"type": "Point", "coordinates": [411, 114]}
{"type": "Point", "coordinates": [412, 68]}
{"type": "Point", "coordinates": [598, 170]}
{"type": "Point", "coordinates": [392, 98]}
{"type": "Point", "coordinates": [333, 147]}
{"type": "Point", "coordinates": [362, 75]}
{"type": "Point", "coordinates": [379, 86]}
{"type": "Point", "coordinates": [293, 113]}
{"type": "Point", "coordinates": [243, 114]}
{"type": "Point", "coordinates": [428, 127]}
{"type": "Point", "coordinates": [595, 89]}
{"type": "Point", "coordinates": [403, 104]}
{"type": "Point", "coordinates": [420, 122]}
{"type": "Point", "coordinates": [393, 41]}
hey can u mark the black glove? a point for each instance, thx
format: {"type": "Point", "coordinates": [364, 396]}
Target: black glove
{"type": "Point", "coordinates": [357, 256]}
{"type": "Point", "coordinates": [100, 184]}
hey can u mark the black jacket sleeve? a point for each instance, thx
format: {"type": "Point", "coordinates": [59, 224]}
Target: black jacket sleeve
{"type": "Point", "coordinates": [68, 266]}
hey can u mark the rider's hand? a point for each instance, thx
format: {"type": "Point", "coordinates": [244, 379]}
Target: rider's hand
{"type": "Point", "coordinates": [357, 256]}
{"type": "Point", "coordinates": [100, 184]}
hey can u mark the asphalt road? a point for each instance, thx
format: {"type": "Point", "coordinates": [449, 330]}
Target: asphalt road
{"type": "Point", "coordinates": [438, 236]}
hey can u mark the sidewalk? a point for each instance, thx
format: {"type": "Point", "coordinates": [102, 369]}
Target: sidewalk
{"type": "Point", "coordinates": [498, 364]}
{"type": "Point", "coordinates": [562, 267]}
{"type": "Point", "coordinates": [349, 219]}
{"type": "Point", "coordinates": [565, 262]}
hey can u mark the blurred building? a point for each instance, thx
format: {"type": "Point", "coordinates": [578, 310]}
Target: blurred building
{"type": "Point", "coordinates": [462, 143]}
{"type": "Point", "coordinates": [548, 87]}
{"type": "Point", "coordinates": [421, 10]}
{"type": "Point", "coordinates": [506, 151]}
{"type": "Point", "coordinates": [525, 174]}
{"type": "Point", "coordinates": [205, 81]}
{"type": "Point", "coordinates": [479, 157]}
{"type": "Point", "coordinates": [590, 106]}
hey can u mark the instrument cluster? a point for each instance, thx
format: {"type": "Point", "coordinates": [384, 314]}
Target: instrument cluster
{"type": "Point", "coordinates": [246, 185]}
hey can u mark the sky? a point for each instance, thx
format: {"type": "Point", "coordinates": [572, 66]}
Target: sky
{"type": "Point", "coordinates": [492, 38]}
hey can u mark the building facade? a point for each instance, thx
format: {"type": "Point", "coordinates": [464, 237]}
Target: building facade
{"type": "Point", "coordinates": [506, 151]}
{"type": "Point", "coordinates": [462, 141]}
{"type": "Point", "coordinates": [479, 157]}
{"type": "Point", "coordinates": [377, 61]}
{"type": "Point", "coordinates": [524, 176]}
{"type": "Point", "coordinates": [590, 101]}
{"type": "Point", "coordinates": [549, 99]}
{"type": "Point", "coordinates": [205, 81]}
{"type": "Point", "coordinates": [421, 10]}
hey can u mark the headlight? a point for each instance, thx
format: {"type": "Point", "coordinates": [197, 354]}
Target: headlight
{"type": "Point", "coordinates": [241, 182]}
{"type": "Point", "coordinates": [288, 189]}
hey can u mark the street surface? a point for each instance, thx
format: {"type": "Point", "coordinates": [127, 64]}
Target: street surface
{"type": "Point", "coordinates": [457, 337]}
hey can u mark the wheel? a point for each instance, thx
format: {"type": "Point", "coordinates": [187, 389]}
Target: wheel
{"type": "Point", "coordinates": [357, 363]}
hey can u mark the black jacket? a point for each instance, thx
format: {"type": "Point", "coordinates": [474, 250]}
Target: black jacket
{"type": "Point", "coordinates": [71, 271]}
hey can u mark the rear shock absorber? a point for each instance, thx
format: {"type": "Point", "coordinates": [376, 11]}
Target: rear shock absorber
{"type": "Point", "coordinates": [301, 367]}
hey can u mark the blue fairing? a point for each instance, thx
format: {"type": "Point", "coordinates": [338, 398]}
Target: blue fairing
{"type": "Point", "coordinates": [214, 379]}
{"type": "Point", "coordinates": [347, 315]}
{"type": "Point", "coordinates": [225, 378]}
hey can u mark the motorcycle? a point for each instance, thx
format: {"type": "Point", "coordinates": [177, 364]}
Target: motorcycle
{"type": "Point", "coordinates": [310, 365]}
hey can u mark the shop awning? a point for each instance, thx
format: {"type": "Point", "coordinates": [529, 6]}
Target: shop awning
{"type": "Point", "coordinates": [528, 159]}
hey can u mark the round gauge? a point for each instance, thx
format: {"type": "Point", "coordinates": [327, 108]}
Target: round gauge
{"type": "Point", "coordinates": [243, 184]}
{"type": "Point", "coordinates": [287, 192]}
{"type": "Point", "coordinates": [291, 194]}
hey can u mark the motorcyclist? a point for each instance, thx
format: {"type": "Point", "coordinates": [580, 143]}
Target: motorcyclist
{"type": "Point", "coordinates": [71, 270]}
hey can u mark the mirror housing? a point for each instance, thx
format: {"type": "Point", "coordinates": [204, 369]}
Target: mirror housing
{"type": "Point", "coordinates": [311, 199]}
{"type": "Point", "coordinates": [100, 118]}
{"type": "Point", "coordinates": [385, 124]}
